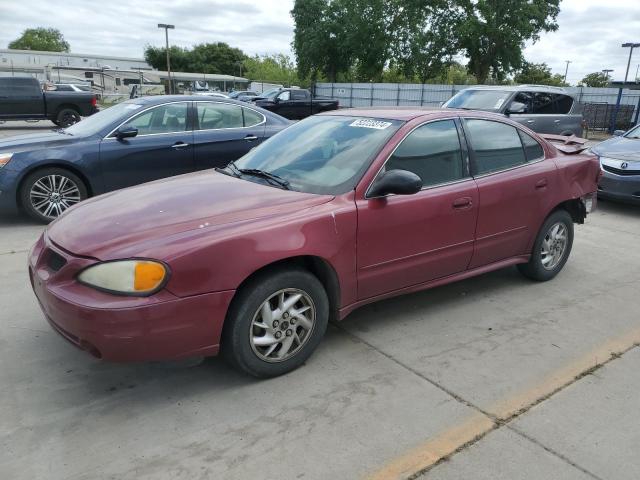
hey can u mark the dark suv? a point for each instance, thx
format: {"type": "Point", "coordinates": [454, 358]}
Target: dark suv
{"type": "Point", "coordinates": [542, 108]}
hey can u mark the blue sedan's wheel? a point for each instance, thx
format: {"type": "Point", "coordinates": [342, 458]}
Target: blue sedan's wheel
{"type": "Point", "coordinates": [47, 193]}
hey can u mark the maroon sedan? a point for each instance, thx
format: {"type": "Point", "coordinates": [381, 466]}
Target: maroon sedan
{"type": "Point", "coordinates": [336, 211]}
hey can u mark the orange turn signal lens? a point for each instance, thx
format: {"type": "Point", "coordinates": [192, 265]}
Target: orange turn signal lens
{"type": "Point", "coordinates": [148, 276]}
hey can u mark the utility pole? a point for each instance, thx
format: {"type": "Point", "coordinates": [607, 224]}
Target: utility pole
{"type": "Point", "coordinates": [166, 36]}
{"type": "Point", "coordinates": [566, 70]}
{"type": "Point", "coordinates": [606, 72]}
{"type": "Point", "coordinates": [632, 46]}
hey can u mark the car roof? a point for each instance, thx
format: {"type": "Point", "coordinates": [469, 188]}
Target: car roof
{"type": "Point", "coordinates": [407, 113]}
{"type": "Point", "coordinates": [158, 99]}
{"type": "Point", "coordinates": [519, 88]}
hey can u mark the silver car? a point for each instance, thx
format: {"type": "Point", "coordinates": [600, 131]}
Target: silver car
{"type": "Point", "coordinates": [620, 163]}
{"type": "Point", "coordinates": [542, 108]}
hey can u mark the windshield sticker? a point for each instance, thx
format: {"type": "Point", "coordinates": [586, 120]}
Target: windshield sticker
{"type": "Point", "coordinates": [363, 123]}
{"type": "Point", "coordinates": [499, 103]}
{"type": "Point", "coordinates": [133, 106]}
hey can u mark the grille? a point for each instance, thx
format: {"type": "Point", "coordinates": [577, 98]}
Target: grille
{"type": "Point", "coordinates": [619, 171]}
{"type": "Point", "coordinates": [54, 261]}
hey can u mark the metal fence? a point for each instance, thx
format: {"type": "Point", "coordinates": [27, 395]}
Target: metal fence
{"type": "Point", "coordinates": [599, 102]}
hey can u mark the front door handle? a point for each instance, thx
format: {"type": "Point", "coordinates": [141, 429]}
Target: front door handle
{"type": "Point", "coordinates": [250, 138]}
{"type": "Point", "coordinates": [556, 121]}
{"type": "Point", "coordinates": [462, 203]}
{"type": "Point", "coordinates": [531, 121]}
{"type": "Point", "coordinates": [541, 184]}
{"type": "Point", "coordinates": [179, 145]}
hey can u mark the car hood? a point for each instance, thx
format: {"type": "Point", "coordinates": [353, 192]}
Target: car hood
{"type": "Point", "coordinates": [34, 141]}
{"type": "Point", "coordinates": [619, 147]}
{"type": "Point", "coordinates": [139, 216]}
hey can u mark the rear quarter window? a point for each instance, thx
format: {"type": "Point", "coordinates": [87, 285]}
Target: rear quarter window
{"type": "Point", "coordinates": [564, 103]}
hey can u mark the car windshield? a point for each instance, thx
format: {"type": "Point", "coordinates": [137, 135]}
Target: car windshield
{"type": "Point", "coordinates": [488, 100]}
{"type": "Point", "coordinates": [634, 133]}
{"type": "Point", "coordinates": [101, 120]}
{"type": "Point", "coordinates": [270, 93]}
{"type": "Point", "coordinates": [322, 154]}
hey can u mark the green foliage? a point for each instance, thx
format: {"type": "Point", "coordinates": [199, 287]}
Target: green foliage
{"type": "Point", "coordinates": [595, 79]}
{"type": "Point", "coordinates": [538, 74]}
{"type": "Point", "coordinates": [43, 39]}
{"type": "Point", "coordinates": [203, 58]}
{"type": "Point", "coordinates": [272, 68]}
{"type": "Point", "coordinates": [370, 40]}
{"type": "Point", "coordinates": [492, 33]}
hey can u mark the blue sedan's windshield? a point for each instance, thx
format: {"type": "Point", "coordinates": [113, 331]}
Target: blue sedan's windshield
{"type": "Point", "coordinates": [103, 119]}
{"type": "Point", "coordinates": [322, 154]}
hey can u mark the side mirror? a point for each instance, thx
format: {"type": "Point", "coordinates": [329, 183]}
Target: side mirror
{"type": "Point", "coordinates": [516, 107]}
{"type": "Point", "coordinates": [618, 133]}
{"type": "Point", "coordinates": [398, 182]}
{"type": "Point", "coordinates": [126, 132]}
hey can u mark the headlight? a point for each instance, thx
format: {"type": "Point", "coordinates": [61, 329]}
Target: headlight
{"type": "Point", "coordinates": [4, 158]}
{"type": "Point", "coordinates": [126, 277]}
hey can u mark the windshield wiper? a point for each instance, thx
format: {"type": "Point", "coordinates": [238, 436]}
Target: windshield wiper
{"type": "Point", "coordinates": [264, 174]}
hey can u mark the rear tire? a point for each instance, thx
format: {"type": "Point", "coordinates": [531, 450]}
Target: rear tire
{"type": "Point", "coordinates": [48, 192]}
{"type": "Point", "coordinates": [67, 117]}
{"type": "Point", "coordinates": [275, 322]}
{"type": "Point", "coordinates": [551, 249]}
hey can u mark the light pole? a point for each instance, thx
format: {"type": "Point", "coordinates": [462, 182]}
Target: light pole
{"type": "Point", "coordinates": [166, 36]}
{"type": "Point", "coordinates": [606, 72]}
{"type": "Point", "coordinates": [632, 46]}
{"type": "Point", "coordinates": [566, 70]}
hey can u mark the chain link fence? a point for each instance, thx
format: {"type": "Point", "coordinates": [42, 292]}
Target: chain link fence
{"type": "Point", "coordinates": [599, 103]}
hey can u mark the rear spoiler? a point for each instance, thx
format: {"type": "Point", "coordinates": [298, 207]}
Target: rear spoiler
{"type": "Point", "coordinates": [570, 144]}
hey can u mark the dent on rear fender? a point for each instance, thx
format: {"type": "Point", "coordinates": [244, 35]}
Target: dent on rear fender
{"type": "Point", "coordinates": [580, 174]}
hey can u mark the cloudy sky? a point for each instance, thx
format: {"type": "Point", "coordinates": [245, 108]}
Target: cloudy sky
{"type": "Point", "coordinates": [590, 33]}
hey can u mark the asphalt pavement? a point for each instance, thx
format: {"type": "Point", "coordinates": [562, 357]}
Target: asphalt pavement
{"type": "Point", "coordinates": [495, 377]}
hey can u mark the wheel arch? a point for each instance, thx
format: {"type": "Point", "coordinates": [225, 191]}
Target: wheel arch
{"type": "Point", "coordinates": [53, 164]}
{"type": "Point", "coordinates": [317, 266]}
{"type": "Point", "coordinates": [71, 106]}
{"type": "Point", "coordinates": [575, 208]}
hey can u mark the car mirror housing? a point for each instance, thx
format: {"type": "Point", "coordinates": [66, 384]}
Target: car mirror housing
{"type": "Point", "coordinates": [126, 132]}
{"type": "Point", "coordinates": [516, 107]}
{"type": "Point", "coordinates": [618, 133]}
{"type": "Point", "coordinates": [397, 182]}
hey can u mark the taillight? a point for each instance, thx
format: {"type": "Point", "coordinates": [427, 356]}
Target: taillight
{"type": "Point", "coordinates": [94, 102]}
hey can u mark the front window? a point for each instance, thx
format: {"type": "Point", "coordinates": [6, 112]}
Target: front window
{"type": "Point", "coordinates": [432, 151]}
{"type": "Point", "coordinates": [322, 154]}
{"type": "Point", "coordinates": [161, 119]}
{"type": "Point", "coordinates": [488, 100]}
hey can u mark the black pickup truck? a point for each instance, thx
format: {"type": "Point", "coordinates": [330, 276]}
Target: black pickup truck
{"type": "Point", "coordinates": [294, 103]}
{"type": "Point", "coordinates": [22, 98]}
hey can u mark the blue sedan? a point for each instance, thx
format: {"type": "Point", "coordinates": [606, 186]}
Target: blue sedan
{"type": "Point", "coordinates": [130, 143]}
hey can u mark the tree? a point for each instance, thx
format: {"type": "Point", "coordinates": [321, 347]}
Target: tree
{"type": "Point", "coordinates": [595, 79]}
{"type": "Point", "coordinates": [277, 68]}
{"type": "Point", "coordinates": [43, 39]}
{"type": "Point", "coordinates": [492, 33]}
{"type": "Point", "coordinates": [538, 74]}
{"type": "Point", "coordinates": [203, 58]}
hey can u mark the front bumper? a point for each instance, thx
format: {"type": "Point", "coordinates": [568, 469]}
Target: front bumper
{"type": "Point", "coordinates": [619, 187]}
{"type": "Point", "coordinates": [119, 328]}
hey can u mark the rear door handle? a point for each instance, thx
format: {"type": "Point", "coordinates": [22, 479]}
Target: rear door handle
{"type": "Point", "coordinates": [462, 203]}
{"type": "Point", "coordinates": [556, 121]}
{"type": "Point", "coordinates": [250, 138]}
{"type": "Point", "coordinates": [541, 184]}
{"type": "Point", "coordinates": [531, 121]}
{"type": "Point", "coordinates": [179, 145]}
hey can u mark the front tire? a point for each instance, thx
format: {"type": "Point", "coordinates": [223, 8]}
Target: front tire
{"type": "Point", "coordinates": [276, 322]}
{"type": "Point", "coordinates": [551, 249]}
{"type": "Point", "coordinates": [45, 194]}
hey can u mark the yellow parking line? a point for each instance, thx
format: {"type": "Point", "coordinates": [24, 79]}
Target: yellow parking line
{"type": "Point", "coordinates": [449, 441]}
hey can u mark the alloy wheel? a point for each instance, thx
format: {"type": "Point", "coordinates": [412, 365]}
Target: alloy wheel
{"type": "Point", "coordinates": [554, 246]}
{"type": "Point", "coordinates": [53, 194]}
{"type": "Point", "coordinates": [282, 325]}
